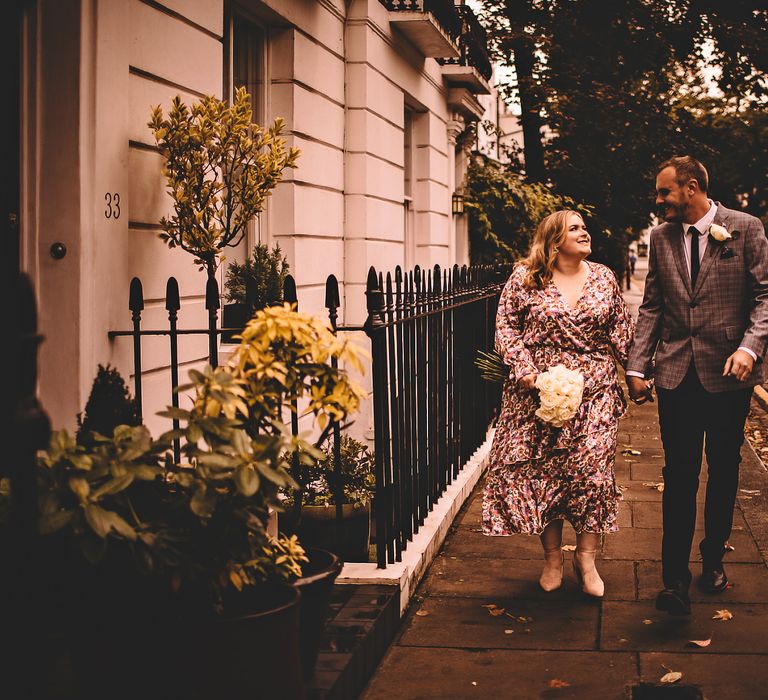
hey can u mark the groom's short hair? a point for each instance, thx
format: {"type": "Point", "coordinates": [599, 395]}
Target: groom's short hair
{"type": "Point", "coordinates": [687, 168]}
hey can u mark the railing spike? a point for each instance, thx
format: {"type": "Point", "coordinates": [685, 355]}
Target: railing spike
{"type": "Point", "coordinates": [172, 300]}
{"type": "Point", "coordinates": [136, 296]}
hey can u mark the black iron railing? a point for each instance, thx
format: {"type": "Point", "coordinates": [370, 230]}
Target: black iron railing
{"type": "Point", "coordinates": [431, 409]}
{"type": "Point", "coordinates": [473, 44]}
{"type": "Point", "coordinates": [444, 11]}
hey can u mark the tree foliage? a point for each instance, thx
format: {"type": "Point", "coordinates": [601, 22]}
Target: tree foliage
{"type": "Point", "coordinates": [266, 269]}
{"type": "Point", "coordinates": [220, 169]}
{"type": "Point", "coordinates": [609, 90]}
{"type": "Point", "coordinates": [504, 210]}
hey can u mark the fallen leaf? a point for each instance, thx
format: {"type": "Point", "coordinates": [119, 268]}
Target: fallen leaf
{"type": "Point", "coordinates": [723, 615]}
{"type": "Point", "coordinates": [729, 547]}
{"type": "Point", "coordinates": [657, 456]}
{"type": "Point", "coordinates": [489, 605]}
{"type": "Point", "coordinates": [751, 492]}
{"type": "Point", "coordinates": [557, 683]}
{"type": "Point", "coordinates": [568, 547]}
{"type": "Point", "coordinates": [647, 622]}
{"type": "Point", "coordinates": [623, 641]}
{"type": "Point", "coordinates": [509, 631]}
{"type": "Point", "coordinates": [474, 682]}
{"type": "Point", "coordinates": [699, 642]}
{"type": "Point", "coordinates": [422, 613]}
{"type": "Point", "coordinates": [659, 486]}
{"type": "Point", "coordinates": [496, 611]}
{"type": "Point", "coordinates": [629, 452]}
{"type": "Point", "coordinates": [671, 677]}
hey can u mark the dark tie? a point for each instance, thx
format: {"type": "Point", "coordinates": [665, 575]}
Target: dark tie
{"type": "Point", "coordinates": [694, 254]}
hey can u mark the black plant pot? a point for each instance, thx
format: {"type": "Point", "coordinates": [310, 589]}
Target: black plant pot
{"type": "Point", "coordinates": [318, 528]}
{"type": "Point", "coordinates": [233, 316]}
{"type": "Point", "coordinates": [319, 575]}
{"type": "Point", "coordinates": [253, 650]}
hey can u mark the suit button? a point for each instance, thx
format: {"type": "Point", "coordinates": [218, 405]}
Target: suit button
{"type": "Point", "coordinates": [694, 304]}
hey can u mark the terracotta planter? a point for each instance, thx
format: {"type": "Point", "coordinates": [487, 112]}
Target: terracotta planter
{"type": "Point", "coordinates": [318, 529]}
{"type": "Point", "coordinates": [315, 585]}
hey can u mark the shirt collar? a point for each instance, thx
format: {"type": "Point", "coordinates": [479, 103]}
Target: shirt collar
{"type": "Point", "coordinates": [703, 224]}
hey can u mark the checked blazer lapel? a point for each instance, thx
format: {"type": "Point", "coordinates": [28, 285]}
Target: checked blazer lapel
{"type": "Point", "coordinates": [679, 256]}
{"type": "Point", "coordinates": [713, 250]}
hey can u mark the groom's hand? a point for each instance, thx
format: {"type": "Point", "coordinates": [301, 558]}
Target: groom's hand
{"type": "Point", "coordinates": [640, 390]}
{"type": "Point", "coordinates": [739, 365]}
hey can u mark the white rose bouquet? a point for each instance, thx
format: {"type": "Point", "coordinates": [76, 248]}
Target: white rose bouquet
{"type": "Point", "coordinates": [560, 393]}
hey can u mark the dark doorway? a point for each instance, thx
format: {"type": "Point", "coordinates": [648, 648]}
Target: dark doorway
{"type": "Point", "coordinates": [10, 64]}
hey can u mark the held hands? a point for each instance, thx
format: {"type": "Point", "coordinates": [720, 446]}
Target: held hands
{"type": "Point", "coordinates": [739, 365]}
{"type": "Point", "coordinates": [640, 390]}
{"type": "Point", "coordinates": [528, 381]}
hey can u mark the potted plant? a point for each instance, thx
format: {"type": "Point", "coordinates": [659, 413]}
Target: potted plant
{"type": "Point", "coordinates": [109, 405]}
{"type": "Point", "coordinates": [169, 568]}
{"type": "Point", "coordinates": [220, 168]}
{"type": "Point", "coordinates": [257, 283]}
{"type": "Point", "coordinates": [284, 361]}
{"type": "Point", "coordinates": [174, 559]}
{"type": "Point", "coordinates": [318, 492]}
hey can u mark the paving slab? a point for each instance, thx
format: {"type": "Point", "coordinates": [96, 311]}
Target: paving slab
{"type": "Point", "coordinates": [471, 543]}
{"type": "Point", "coordinates": [648, 515]}
{"type": "Point", "coordinates": [627, 626]}
{"type": "Point", "coordinates": [645, 544]}
{"type": "Point", "coordinates": [500, 674]}
{"type": "Point", "coordinates": [748, 583]}
{"type": "Point", "coordinates": [518, 578]}
{"type": "Point", "coordinates": [720, 676]}
{"type": "Point", "coordinates": [465, 623]}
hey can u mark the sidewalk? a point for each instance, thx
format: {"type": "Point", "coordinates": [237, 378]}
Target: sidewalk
{"type": "Point", "coordinates": [563, 645]}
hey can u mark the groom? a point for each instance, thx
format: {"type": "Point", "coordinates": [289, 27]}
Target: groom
{"type": "Point", "coordinates": [705, 316]}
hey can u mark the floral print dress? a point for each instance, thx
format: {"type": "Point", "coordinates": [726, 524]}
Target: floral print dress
{"type": "Point", "coordinates": [538, 473]}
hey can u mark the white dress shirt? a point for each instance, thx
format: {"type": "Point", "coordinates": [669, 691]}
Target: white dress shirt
{"type": "Point", "coordinates": [702, 226]}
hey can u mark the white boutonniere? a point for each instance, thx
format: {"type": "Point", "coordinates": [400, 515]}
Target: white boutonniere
{"type": "Point", "coordinates": [719, 233]}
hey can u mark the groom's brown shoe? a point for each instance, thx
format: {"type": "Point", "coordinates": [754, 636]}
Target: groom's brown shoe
{"type": "Point", "coordinates": [713, 579]}
{"type": "Point", "coordinates": [674, 600]}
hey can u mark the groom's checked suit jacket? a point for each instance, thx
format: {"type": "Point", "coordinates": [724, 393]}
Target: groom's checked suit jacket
{"type": "Point", "coordinates": [727, 309]}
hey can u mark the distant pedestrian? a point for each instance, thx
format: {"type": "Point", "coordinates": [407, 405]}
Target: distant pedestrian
{"type": "Point", "coordinates": [559, 309]}
{"type": "Point", "coordinates": [705, 317]}
{"type": "Point", "coordinates": [632, 261]}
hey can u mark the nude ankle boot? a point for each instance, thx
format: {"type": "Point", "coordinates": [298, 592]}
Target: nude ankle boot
{"type": "Point", "coordinates": [586, 573]}
{"type": "Point", "coordinates": [552, 576]}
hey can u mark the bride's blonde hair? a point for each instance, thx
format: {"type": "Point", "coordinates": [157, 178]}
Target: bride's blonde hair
{"type": "Point", "coordinates": [549, 236]}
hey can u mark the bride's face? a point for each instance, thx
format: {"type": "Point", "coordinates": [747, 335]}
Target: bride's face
{"type": "Point", "coordinates": [577, 243]}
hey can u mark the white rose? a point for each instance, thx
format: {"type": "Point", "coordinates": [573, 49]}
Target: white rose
{"type": "Point", "coordinates": [719, 233]}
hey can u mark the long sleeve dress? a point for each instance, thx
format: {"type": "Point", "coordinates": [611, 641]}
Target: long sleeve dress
{"type": "Point", "coordinates": [539, 473]}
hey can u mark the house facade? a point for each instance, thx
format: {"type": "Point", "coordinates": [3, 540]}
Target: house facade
{"type": "Point", "coordinates": [375, 94]}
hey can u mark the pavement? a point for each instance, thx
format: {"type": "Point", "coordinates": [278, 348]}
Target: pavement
{"type": "Point", "coordinates": [480, 626]}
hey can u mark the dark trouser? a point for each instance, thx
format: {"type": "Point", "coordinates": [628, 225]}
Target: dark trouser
{"type": "Point", "coordinates": [686, 415]}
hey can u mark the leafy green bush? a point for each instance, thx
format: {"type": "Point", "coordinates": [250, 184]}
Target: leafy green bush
{"type": "Point", "coordinates": [317, 481]}
{"type": "Point", "coordinates": [110, 404]}
{"type": "Point", "coordinates": [504, 210]}
{"type": "Point", "coordinates": [268, 271]}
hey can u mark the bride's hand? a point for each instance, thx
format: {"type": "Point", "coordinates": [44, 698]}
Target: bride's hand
{"type": "Point", "coordinates": [528, 381]}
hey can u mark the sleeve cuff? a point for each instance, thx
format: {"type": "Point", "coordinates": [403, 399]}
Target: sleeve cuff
{"type": "Point", "coordinates": [632, 373]}
{"type": "Point", "coordinates": [751, 353]}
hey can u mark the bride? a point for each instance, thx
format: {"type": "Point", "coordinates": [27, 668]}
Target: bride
{"type": "Point", "coordinates": [558, 308]}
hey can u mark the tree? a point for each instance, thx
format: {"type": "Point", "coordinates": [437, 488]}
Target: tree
{"type": "Point", "coordinates": [615, 84]}
{"type": "Point", "coordinates": [220, 169]}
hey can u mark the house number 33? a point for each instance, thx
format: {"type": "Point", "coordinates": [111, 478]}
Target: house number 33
{"type": "Point", "coordinates": [112, 210]}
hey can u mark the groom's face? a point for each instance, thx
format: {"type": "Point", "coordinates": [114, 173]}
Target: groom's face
{"type": "Point", "coordinates": [672, 199]}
